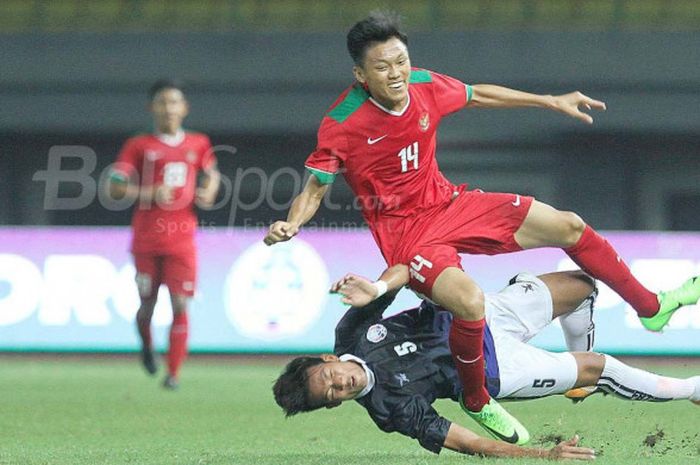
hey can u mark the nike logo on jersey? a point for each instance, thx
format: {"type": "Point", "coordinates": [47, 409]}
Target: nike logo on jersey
{"type": "Point", "coordinates": [516, 202]}
{"type": "Point", "coordinates": [460, 359]}
{"type": "Point", "coordinates": [371, 141]}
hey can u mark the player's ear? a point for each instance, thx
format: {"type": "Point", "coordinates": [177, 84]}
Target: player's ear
{"type": "Point", "coordinates": [359, 74]}
{"type": "Point", "coordinates": [329, 358]}
{"type": "Point", "coordinates": [334, 404]}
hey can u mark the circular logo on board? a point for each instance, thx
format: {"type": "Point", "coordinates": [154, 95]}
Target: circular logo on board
{"type": "Point", "coordinates": [376, 333]}
{"type": "Point", "coordinates": [276, 292]}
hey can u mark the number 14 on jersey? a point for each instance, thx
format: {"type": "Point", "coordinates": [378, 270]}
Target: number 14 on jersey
{"type": "Point", "coordinates": [409, 155]}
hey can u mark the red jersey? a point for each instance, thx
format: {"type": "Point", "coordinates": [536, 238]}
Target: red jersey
{"type": "Point", "coordinates": [171, 161]}
{"type": "Point", "coordinates": [388, 157]}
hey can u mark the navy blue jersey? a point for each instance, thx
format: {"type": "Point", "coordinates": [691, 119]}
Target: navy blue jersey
{"type": "Point", "coordinates": [410, 357]}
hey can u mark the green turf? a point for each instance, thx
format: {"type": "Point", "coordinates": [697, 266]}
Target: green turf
{"type": "Point", "coordinates": [109, 412]}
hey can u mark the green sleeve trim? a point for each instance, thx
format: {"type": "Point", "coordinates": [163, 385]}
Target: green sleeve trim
{"type": "Point", "coordinates": [118, 178]}
{"type": "Point", "coordinates": [470, 91]}
{"type": "Point", "coordinates": [352, 101]}
{"type": "Point", "coordinates": [323, 176]}
{"type": "Point", "coordinates": [420, 75]}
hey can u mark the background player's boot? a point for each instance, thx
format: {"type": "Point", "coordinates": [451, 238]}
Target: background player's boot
{"type": "Point", "coordinates": [499, 423]}
{"type": "Point", "coordinates": [171, 383]}
{"type": "Point", "coordinates": [670, 301]}
{"type": "Point", "coordinates": [148, 359]}
{"type": "Point", "coordinates": [580, 394]}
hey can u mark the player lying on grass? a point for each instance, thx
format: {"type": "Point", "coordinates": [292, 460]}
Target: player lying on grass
{"type": "Point", "coordinates": [396, 367]}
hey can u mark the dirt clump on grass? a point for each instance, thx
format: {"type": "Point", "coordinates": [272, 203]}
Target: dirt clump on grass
{"type": "Point", "coordinates": [654, 438]}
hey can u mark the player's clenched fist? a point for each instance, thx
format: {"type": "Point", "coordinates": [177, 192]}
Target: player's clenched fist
{"type": "Point", "coordinates": [280, 231]}
{"type": "Point", "coordinates": [164, 195]}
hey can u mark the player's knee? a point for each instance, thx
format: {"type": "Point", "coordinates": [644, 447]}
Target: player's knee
{"type": "Point", "coordinates": [179, 303]}
{"type": "Point", "coordinates": [584, 277]}
{"type": "Point", "coordinates": [590, 367]}
{"type": "Point", "coordinates": [572, 227]}
{"type": "Point", "coordinates": [470, 305]}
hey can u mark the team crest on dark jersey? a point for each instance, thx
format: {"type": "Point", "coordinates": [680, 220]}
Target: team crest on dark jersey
{"type": "Point", "coordinates": [424, 122]}
{"type": "Point", "coordinates": [402, 379]}
{"type": "Point", "coordinates": [191, 156]}
{"type": "Point", "coordinates": [376, 333]}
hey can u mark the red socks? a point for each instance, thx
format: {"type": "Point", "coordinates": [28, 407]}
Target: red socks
{"type": "Point", "coordinates": [178, 343]}
{"type": "Point", "coordinates": [466, 344]}
{"type": "Point", "coordinates": [595, 256]}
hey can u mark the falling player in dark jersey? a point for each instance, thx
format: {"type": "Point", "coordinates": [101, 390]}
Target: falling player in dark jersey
{"type": "Point", "coordinates": [398, 366]}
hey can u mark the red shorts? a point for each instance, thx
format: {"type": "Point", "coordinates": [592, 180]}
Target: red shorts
{"type": "Point", "coordinates": [177, 271]}
{"type": "Point", "coordinates": [475, 222]}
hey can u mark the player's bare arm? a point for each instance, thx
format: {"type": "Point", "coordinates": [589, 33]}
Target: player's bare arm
{"type": "Point", "coordinates": [462, 440]}
{"type": "Point", "coordinates": [206, 193]}
{"type": "Point", "coordinates": [303, 208]}
{"type": "Point", "coordinates": [359, 291]}
{"type": "Point", "coordinates": [492, 96]}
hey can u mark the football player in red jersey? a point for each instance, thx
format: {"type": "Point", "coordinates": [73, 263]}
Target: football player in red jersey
{"type": "Point", "coordinates": [160, 172]}
{"type": "Point", "coordinates": [381, 134]}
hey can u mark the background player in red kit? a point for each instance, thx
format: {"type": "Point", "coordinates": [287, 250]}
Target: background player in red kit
{"type": "Point", "coordinates": [160, 170]}
{"type": "Point", "coordinates": [381, 134]}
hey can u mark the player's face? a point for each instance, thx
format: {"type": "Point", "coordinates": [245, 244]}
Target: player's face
{"type": "Point", "coordinates": [169, 109]}
{"type": "Point", "coordinates": [333, 382]}
{"type": "Point", "coordinates": [386, 70]}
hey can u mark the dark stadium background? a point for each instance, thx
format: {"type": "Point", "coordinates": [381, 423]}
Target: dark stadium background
{"type": "Point", "coordinates": [261, 74]}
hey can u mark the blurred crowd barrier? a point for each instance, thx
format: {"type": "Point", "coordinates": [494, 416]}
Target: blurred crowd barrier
{"type": "Point", "coordinates": [60, 291]}
{"type": "Point", "coordinates": [324, 15]}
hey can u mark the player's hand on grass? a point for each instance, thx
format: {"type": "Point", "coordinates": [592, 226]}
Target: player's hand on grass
{"type": "Point", "coordinates": [356, 290]}
{"type": "Point", "coordinates": [571, 104]}
{"type": "Point", "coordinates": [569, 450]}
{"type": "Point", "coordinates": [280, 231]}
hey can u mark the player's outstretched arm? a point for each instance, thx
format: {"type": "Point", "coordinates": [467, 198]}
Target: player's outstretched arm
{"type": "Point", "coordinates": [358, 291]}
{"type": "Point", "coordinates": [303, 208]}
{"type": "Point", "coordinates": [462, 440]}
{"type": "Point", "coordinates": [571, 104]}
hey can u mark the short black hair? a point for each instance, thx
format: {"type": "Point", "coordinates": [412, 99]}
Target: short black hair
{"type": "Point", "coordinates": [162, 84]}
{"type": "Point", "coordinates": [380, 26]}
{"type": "Point", "coordinates": [292, 387]}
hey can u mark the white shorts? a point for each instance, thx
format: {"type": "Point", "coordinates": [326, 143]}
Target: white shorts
{"type": "Point", "coordinates": [515, 315]}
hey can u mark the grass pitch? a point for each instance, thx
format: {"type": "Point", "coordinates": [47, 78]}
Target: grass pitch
{"type": "Point", "coordinates": [107, 411]}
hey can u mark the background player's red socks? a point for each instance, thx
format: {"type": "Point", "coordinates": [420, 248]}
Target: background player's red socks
{"type": "Point", "coordinates": [596, 256]}
{"type": "Point", "coordinates": [178, 343]}
{"type": "Point", "coordinates": [467, 345]}
{"type": "Point", "coordinates": [144, 327]}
